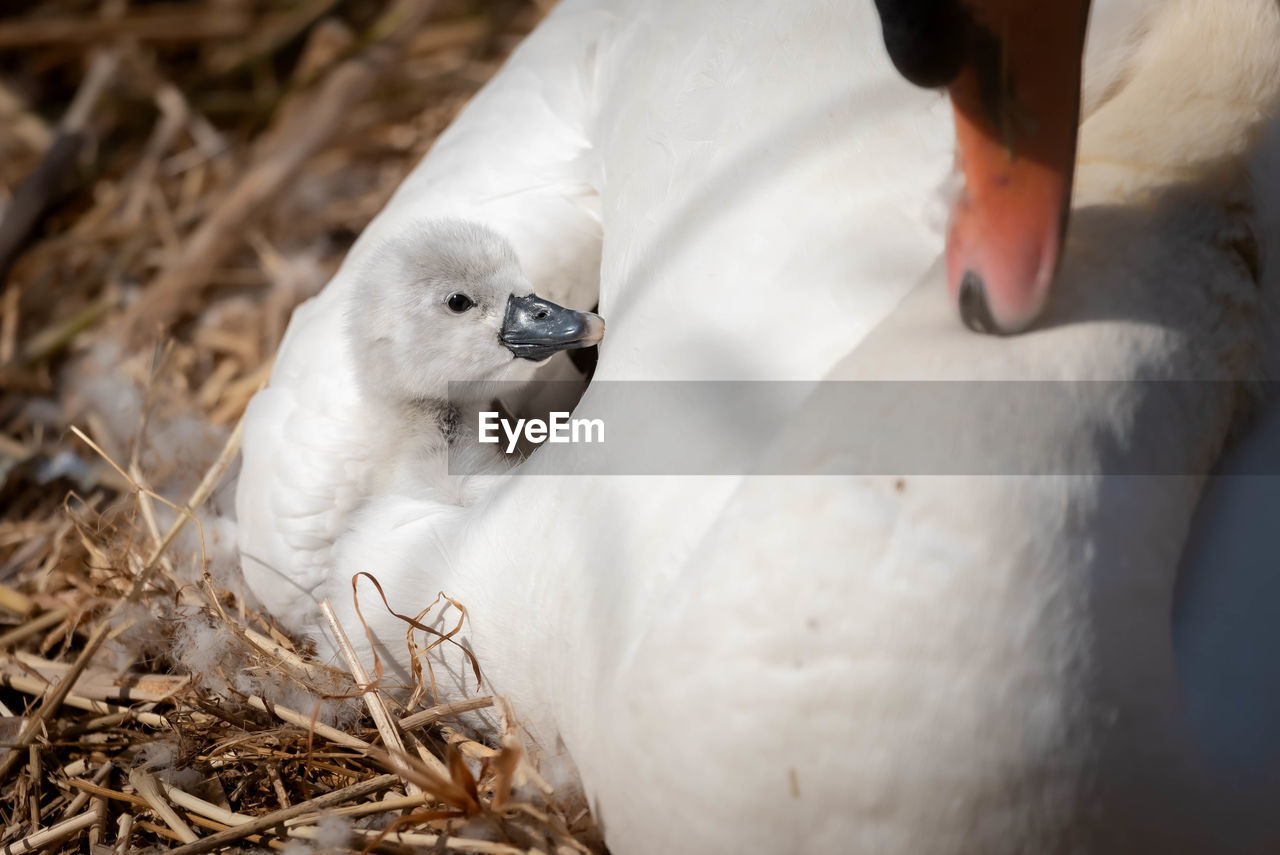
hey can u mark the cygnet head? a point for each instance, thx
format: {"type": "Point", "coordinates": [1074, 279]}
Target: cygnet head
{"type": "Point", "coordinates": [445, 301]}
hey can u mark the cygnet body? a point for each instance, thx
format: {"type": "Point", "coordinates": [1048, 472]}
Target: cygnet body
{"type": "Point", "coordinates": [435, 303]}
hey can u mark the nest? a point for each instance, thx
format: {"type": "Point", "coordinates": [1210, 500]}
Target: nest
{"type": "Point", "coordinates": [174, 179]}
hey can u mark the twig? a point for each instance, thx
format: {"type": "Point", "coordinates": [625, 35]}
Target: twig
{"type": "Point", "coordinates": [107, 793]}
{"type": "Point", "coordinates": [283, 655]}
{"type": "Point", "coordinates": [97, 805]}
{"type": "Point", "coordinates": [186, 801]}
{"type": "Point", "coordinates": [50, 835]}
{"type": "Point", "coordinates": [148, 510]}
{"type": "Point", "coordinates": [469, 747]}
{"type": "Point", "coordinates": [125, 829]}
{"type": "Point", "coordinates": [33, 626]}
{"type": "Point", "coordinates": [277, 784]}
{"type": "Point", "coordinates": [143, 25]}
{"type": "Point", "coordinates": [380, 806]}
{"type": "Point", "coordinates": [318, 728]}
{"type": "Point", "coordinates": [377, 709]}
{"type": "Point", "coordinates": [37, 776]}
{"type": "Point", "coordinates": [76, 768]}
{"type": "Point", "coordinates": [158, 830]}
{"type": "Point", "coordinates": [146, 786]}
{"type": "Point", "coordinates": [434, 714]}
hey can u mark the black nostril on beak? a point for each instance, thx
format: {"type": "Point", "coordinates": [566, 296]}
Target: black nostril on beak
{"type": "Point", "coordinates": [974, 311]}
{"type": "Point", "coordinates": [542, 314]}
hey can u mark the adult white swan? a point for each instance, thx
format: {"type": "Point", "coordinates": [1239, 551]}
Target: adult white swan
{"type": "Point", "coordinates": [840, 663]}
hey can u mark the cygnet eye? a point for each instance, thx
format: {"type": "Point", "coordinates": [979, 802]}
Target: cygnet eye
{"type": "Point", "coordinates": [459, 303]}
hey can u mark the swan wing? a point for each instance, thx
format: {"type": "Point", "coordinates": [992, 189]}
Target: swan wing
{"type": "Point", "coordinates": [306, 468]}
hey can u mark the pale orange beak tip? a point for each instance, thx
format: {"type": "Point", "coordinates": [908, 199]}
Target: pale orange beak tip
{"type": "Point", "coordinates": [1016, 106]}
{"type": "Point", "coordinates": [1000, 277]}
